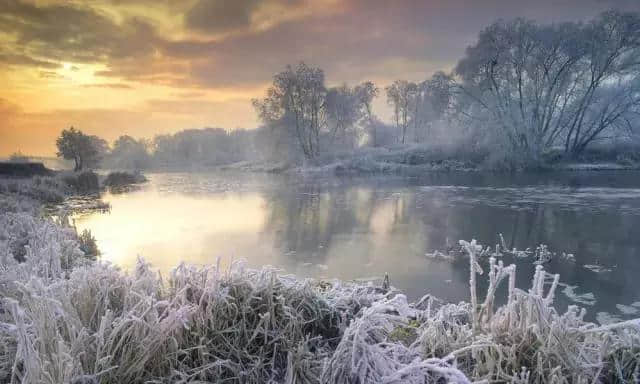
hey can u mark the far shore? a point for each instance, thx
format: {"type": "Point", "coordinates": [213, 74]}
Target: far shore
{"type": "Point", "coordinates": [342, 167]}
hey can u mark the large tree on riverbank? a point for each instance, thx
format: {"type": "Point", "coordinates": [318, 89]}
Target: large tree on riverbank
{"type": "Point", "coordinates": [562, 84]}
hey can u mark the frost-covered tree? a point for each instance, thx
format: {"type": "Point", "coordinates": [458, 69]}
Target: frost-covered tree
{"type": "Point", "coordinates": [129, 153]}
{"type": "Point", "coordinates": [546, 85]}
{"type": "Point", "coordinates": [83, 149]}
{"type": "Point", "coordinates": [416, 106]}
{"type": "Point", "coordinates": [349, 111]}
{"type": "Point", "coordinates": [297, 98]}
{"type": "Point", "coordinates": [365, 93]}
{"type": "Point", "coordinates": [439, 90]}
{"type": "Point", "coordinates": [401, 96]}
{"type": "Point", "coordinates": [207, 146]}
{"type": "Point", "coordinates": [343, 110]}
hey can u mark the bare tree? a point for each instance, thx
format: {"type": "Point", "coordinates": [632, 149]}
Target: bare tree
{"type": "Point", "coordinates": [401, 96]}
{"type": "Point", "coordinates": [365, 93]}
{"type": "Point", "coordinates": [562, 83]}
{"type": "Point", "coordinates": [431, 103]}
{"type": "Point", "coordinates": [439, 88]}
{"type": "Point", "coordinates": [297, 98]}
{"type": "Point", "coordinates": [343, 110]}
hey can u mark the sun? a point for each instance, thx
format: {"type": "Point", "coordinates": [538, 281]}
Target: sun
{"type": "Point", "coordinates": [66, 66]}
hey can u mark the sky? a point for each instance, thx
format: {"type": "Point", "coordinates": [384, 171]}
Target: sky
{"type": "Point", "coordinates": [148, 67]}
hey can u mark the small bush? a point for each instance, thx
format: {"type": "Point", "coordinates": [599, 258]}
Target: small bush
{"type": "Point", "coordinates": [123, 179]}
{"type": "Point", "coordinates": [85, 182]}
{"type": "Point", "coordinates": [88, 245]}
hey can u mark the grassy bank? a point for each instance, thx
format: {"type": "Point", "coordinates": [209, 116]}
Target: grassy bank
{"type": "Point", "coordinates": [419, 159]}
{"type": "Point", "coordinates": [65, 318]}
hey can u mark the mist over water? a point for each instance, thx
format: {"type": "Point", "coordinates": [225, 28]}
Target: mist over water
{"type": "Point", "coordinates": [365, 227]}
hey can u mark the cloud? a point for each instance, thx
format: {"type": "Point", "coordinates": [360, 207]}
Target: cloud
{"type": "Point", "coordinates": [364, 39]}
{"type": "Point", "coordinates": [244, 42]}
{"type": "Point", "coordinates": [67, 32]}
{"type": "Point", "coordinates": [108, 85]}
{"type": "Point", "coordinates": [24, 60]}
{"type": "Point", "coordinates": [220, 16]}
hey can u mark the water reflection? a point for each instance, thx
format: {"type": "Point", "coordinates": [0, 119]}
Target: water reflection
{"type": "Point", "coordinates": [364, 228]}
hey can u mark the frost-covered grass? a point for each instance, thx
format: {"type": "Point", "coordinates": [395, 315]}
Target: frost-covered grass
{"type": "Point", "coordinates": [50, 189]}
{"type": "Point", "coordinates": [67, 319]}
{"type": "Point", "coordinates": [401, 159]}
{"type": "Point", "coordinates": [409, 159]}
{"type": "Point", "coordinates": [38, 188]}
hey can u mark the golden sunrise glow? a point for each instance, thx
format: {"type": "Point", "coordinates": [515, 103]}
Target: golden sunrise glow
{"type": "Point", "coordinates": [146, 67]}
{"type": "Point", "coordinates": [195, 221]}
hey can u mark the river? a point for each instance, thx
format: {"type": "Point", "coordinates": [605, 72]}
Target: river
{"type": "Point", "coordinates": [364, 227]}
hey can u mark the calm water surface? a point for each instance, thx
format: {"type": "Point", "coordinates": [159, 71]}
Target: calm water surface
{"type": "Point", "coordinates": [361, 228]}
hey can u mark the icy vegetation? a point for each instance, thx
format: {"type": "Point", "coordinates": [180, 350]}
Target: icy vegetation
{"type": "Point", "coordinates": [120, 179]}
{"type": "Point", "coordinates": [66, 318]}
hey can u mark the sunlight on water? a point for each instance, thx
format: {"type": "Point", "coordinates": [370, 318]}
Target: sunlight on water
{"type": "Point", "coordinates": [167, 229]}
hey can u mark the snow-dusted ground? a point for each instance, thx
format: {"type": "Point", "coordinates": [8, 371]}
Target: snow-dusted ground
{"type": "Point", "coordinates": [65, 318]}
{"type": "Point", "coordinates": [411, 159]}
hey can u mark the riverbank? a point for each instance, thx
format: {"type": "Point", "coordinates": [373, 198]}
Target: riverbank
{"type": "Point", "coordinates": [72, 319]}
{"type": "Point", "coordinates": [416, 160]}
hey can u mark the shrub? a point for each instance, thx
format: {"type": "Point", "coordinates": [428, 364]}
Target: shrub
{"type": "Point", "coordinates": [88, 245]}
{"type": "Point", "coordinates": [122, 179]}
{"type": "Point", "coordinates": [85, 182]}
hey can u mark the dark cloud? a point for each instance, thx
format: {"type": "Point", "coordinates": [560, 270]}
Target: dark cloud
{"type": "Point", "coordinates": [219, 15]}
{"type": "Point", "coordinates": [353, 41]}
{"type": "Point", "coordinates": [366, 39]}
{"type": "Point", "coordinates": [69, 32]}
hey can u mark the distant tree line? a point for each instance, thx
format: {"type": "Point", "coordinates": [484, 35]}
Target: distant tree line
{"type": "Point", "coordinates": [206, 147]}
{"type": "Point", "coordinates": [521, 91]}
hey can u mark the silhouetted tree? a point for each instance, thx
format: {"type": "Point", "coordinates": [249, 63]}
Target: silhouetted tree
{"type": "Point", "coordinates": [84, 150]}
